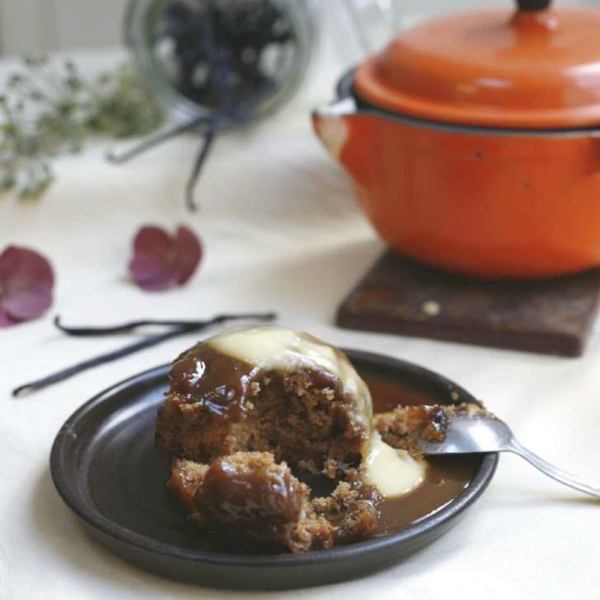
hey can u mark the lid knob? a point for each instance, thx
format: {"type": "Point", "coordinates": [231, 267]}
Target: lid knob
{"type": "Point", "coordinates": [533, 5]}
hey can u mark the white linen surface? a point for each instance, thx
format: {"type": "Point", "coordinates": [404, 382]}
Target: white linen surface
{"type": "Point", "coordinates": [281, 232]}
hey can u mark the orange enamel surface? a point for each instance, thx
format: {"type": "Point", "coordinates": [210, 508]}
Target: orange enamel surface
{"type": "Point", "coordinates": [486, 205]}
{"type": "Point", "coordinates": [493, 68]}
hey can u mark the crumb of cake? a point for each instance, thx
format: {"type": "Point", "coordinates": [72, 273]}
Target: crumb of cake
{"type": "Point", "coordinates": [353, 509]}
{"type": "Point", "coordinates": [403, 427]}
{"type": "Point", "coordinates": [186, 477]}
{"type": "Point", "coordinates": [249, 500]}
{"type": "Point", "coordinates": [399, 428]}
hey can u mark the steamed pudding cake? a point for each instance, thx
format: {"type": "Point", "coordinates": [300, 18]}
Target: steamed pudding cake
{"type": "Point", "coordinates": [251, 410]}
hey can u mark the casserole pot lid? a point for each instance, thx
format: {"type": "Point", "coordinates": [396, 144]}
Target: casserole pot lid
{"type": "Point", "coordinates": [534, 68]}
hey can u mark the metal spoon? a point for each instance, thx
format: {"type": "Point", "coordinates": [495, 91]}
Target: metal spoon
{"type": "Point", "coordinates": [469, 433]}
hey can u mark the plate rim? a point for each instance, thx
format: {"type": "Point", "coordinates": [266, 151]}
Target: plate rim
{"type": "Point", "coordinates": [121, 534]}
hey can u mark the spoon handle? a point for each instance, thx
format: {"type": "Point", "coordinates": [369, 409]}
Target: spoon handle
{"type": "Point", "coordinates": [552, 471]}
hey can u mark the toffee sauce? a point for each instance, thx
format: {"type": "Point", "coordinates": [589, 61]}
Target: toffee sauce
{"type": "Point", "coordinates": [446, 478]}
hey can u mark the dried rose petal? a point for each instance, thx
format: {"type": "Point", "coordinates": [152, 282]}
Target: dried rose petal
{"type": "Point", "coordinates": [5, 321]}
{"type": "Point", "coordinates": [153, 265]}
{"type": "Point", "coordinates": [189, 253]}
{"type": "Point", "coordinates": [26, 284]}
{"type": "Point", "coordinates": [161, 261]}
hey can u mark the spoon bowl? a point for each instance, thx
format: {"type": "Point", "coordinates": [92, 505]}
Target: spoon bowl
{"type": "Point", "coordinates": [469, 432]}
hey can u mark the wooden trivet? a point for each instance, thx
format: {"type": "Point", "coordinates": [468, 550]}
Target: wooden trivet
{"type": "Point", "coordinates": [552, 316]}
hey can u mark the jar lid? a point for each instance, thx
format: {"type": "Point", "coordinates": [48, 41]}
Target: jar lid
{"type": "Point", "coordinates": [535, 68]}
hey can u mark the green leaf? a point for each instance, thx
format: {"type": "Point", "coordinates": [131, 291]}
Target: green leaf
{"type": "Point", "coordinates": [43, 114]}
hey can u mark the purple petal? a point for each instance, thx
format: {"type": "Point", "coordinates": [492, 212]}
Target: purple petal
{"type": "Point", "coordinates": [151, 277]}
{"type": "Point", "coordinates": [189, 253]}
{"type": "Point", "coordinates": [27, 281]}
{"type": "Point", "coordinates": [5, 320]}
{"type": "Point", "coordinates": [153, 265]}
{"type": "Point", "coordinates": [29, 304]}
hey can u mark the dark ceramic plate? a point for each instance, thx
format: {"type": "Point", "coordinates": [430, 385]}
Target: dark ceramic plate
{"type": "Point", "coordinates": [104, 466]}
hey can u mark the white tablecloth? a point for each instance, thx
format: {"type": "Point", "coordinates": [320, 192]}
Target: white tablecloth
{"type": "Point", "coordinates": [281, 232]}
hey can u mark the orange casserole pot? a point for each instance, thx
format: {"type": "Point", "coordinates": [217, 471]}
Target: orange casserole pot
{"type": "Point", "coordinates": [474, 141]}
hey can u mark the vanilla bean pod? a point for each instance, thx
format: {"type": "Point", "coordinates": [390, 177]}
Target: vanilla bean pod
{"type": "Point", "coordinates": [148, 342]}
{"type": "Point", "coordinates": [133, 325]}
{"type": "Point", "coordinates": [95, 362]}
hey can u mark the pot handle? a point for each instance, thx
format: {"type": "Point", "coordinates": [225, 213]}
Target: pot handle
{"type": "Point", "coordinates": [533, 5]}
{"type": "Point", "coordinates": [344, 103]}
{"type": "Point", "coordinates": [532, 16]}
{"type": "Point", "coordinates": [343, 88]}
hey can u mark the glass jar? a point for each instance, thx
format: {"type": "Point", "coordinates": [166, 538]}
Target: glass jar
{"type": "Point", "coordinates": [156, 35]}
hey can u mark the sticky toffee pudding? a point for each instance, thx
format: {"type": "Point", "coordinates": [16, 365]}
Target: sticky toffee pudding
{"type": "Point", "coordinates": [253, 415]}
